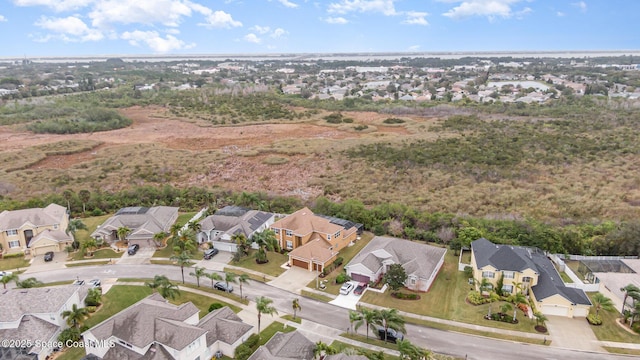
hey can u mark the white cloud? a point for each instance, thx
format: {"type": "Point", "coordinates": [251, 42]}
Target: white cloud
{"type": "Point", "coordinates": [55, 5]}
{"type": "Point", "coordinates": [288, 4]}
{"type": "Point", "coordinates": [68, 29]}
{"type": "Point", "coordinates": [2, 18]}
{"type": "Point", "coordinates": [155, 41]}
{"type": "Point", "coordinates": [385, 7]}
{"type": "Point", "coordinates": [220, 19]}
{"type": "Point", "coordinates": [559, 14]}
{"type": "Point", "coordinates": [581, 5]}
{"type": "Point", "coordinates": [147, 12]}
{"type": "Point", "coordinates": [414, 48]}
{"type": "Point", "coordinates": [278, 33]}
{"type": "Point", "coordinates": [488, 8]}
{"type": "Point", "coordinates": [336, 20]}
{"type": "Point", "coordinates": [520, 14]}
{"type": "Point", "coordinates": [261, 29]}
{"type": "Point", "coordinates": [252, 38]}
{"type": "Point", "coordinates": [416, 18]}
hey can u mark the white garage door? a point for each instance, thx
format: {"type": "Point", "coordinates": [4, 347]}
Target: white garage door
{"type": "Point", "coordinates": [555, 310]}
{"type": "Point", "coordinates": [580, 312]}
{"type": "Point", "coordinates": [41, 250]}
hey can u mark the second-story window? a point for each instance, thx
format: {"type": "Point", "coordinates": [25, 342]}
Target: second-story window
{"type": "Point", "coordinates": [488, 274]}
{"type": "Point", "coordinates": [289, 233]}
{"type": "Point", "coordinates": [12, 232]}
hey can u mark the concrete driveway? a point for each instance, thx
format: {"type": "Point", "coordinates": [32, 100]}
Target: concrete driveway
{"type": "Point", "coordinates": [347, 301]}
{"type": "Point", "coordinates": [216, 263]}
{"type": "Point", "coordinates": [38, 264]}
{"type": "Point", "coordinates": [294, 279]}
{"type": "Point", "coordinates": [572, 334]}
{"type": "Point", "coordinates": [142, 256]}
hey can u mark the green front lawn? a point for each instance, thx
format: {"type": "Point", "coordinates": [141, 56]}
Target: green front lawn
{"type": "Point", "coordinates": [14, 263]}
{"type": "Point", "coordinates": [610, 330]}
{"type": "Point", "coordinates": [103, 253]}
{"type": "Point", "coordinates": [115, 300]}
{"type": "Point", "coordinates": [340, 346]}
{"type": "Point", "coordinates": [267, 333]}
{"type": "Point", "coordinates": [447, 300]}
{"type": "Point", "coordinates": [167, 251]}
{"type": "Point", "coordinates": [271, 268]}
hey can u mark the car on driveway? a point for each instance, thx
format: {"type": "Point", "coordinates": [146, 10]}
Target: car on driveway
{"type": "Point", "coordinates": [78, 282]}
{"type": "Point", "coordinates": [223, 287]}
{"type": "Point", "coordinates": [95, 283]}
{"type": "Point", "coordinates": [360, 288]}
{"type": "Point", "coordinates": [48, 256]}
{"type": "Point", "coordinates": [208, 254]}
{"type": "Point", "coordinates": [133, 249]}
{"type": "Point", "coordinates": [392, 335]}
{"type": "Point", "coordinates": [5, 273]}
{"type": "Point", "coordinates": [346, 288]}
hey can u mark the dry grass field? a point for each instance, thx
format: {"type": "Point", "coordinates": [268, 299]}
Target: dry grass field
{"type": "Point", "coordinates": [305, 159]}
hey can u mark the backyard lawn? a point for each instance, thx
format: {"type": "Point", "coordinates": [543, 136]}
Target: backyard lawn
{"type": "Point", "coordinates": [447, 300]}
{"type": "Point", "coordinates": [92, 224]}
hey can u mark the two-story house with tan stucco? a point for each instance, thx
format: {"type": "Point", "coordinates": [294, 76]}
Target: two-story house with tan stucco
{"type": "Point", "coordinates": [313, 241]}
{"type": "Point", "coordinates": [35, 231]}
{"type": "Point", "coordinates": [530, 271]}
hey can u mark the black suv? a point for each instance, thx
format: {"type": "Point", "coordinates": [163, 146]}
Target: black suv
{"type": "Point", "coordinates": [223, 286]}
{"type": "Point", "coordinates": [208, 254]}
{"type": "Point", "coordinates": [133, 249]}
{"type": "Point", "coordinates": [392, 335]}
{"type": "Point", "coordinates": [48, 256]}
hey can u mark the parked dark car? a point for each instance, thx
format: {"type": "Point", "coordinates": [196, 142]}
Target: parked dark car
{"type": "Point", "coordinates": [133, 249]}
{"type": "Point", "coordinates": [95, 283]}
{"type": "Point", "coordinates": [392, 335]}
{"type": "Point", "coordinates": [223, 286]}
{"type": "Point", "coordinates": [208, 254]}
{"type": "Point", "coordinates": [360, 288]}
{"type": "Point", "coordinates": [48, 256]}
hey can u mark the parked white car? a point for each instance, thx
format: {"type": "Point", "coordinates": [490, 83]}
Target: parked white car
{"type": "Point", "coordinates": [346, 288]}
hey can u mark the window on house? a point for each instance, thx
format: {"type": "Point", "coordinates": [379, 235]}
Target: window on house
{"type": "Point", "coordinates": [289, 244]}
{"type": "Point", "coordinates": [413, 281]}
{"type": "Point", "coordinates": [12, 232]}
{"type": "Point", "coordinates": [14, 244]}
{"type": "Point", "coordinates": [508, 274]}
{"type": "Point", "coordinates": [507, 288]}
{"type": "Point", "coordinates": [276, 231]}
{"type": "Point", "coordinates": [337, 235]}
{"type": "Point", "coordinates": [289, 233]}
{"type": "Point", "coordinates": [526, 279]}
{"type": "Point", "coordinates": [328, 236]}
{"type": "Point", "coordinates": [488, 274]}
{"type": "Point", "coordinates": [55, 227]}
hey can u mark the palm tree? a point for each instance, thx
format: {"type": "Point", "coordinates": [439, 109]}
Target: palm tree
{"type": "Point", "coordinates": [540, 318]}
{"type": "Point", "coordinates": [369, 318]}
{"type": "Point", "coordinates": [183, 259]}
{"type": "Point", "coordinates": [485, 285]}
{"type": "Point", "coordinates": [409, 351]}
{"type": "Point", "coordinates": [263, 305]}
{"type": "Point", "coordinates": [194, 226]}
{"type": "Point", "coordinates": [169, 290]}
{"type": "Point", "coordinates": [157, 282]}
{"type": "Point", "coordinates": [85, 196]}
{"type": "Point", "coordinates": [242, 245]}
{"type": "Point", "coordinates": [198, 273]}
{"type": "Point", "coordinates": [602, 302]}
{"type": "Point", "coordinates": [122, 232]}
{"type": "Point", "coordinates": [628, 289]}
{"type": "Point", "coordinates": [295, 305]}
{"type": "Point", "coordinates": [90, 244]}
{"type": "Point", "coordinates": [158, 237]}
{"type": "Point", "coordinates": [213, 276]}
{"type": "Point", "coordinates": [517, 299]}
{"type": "Point", "coordinates": [267, 241]}
{"type": "Point", "coordinates": [354, 316]}
{"type": "Point", "coordinates": [322, 349]}
{"type": "Point", "coordinates": [175, 230]}
{"type": "Point", "coordinates": [242, 279]}
{"type": "Point", "coordinates": [634, 313]}
{"type": "Point", "coordinates": [492, 297]}
{"type": "Point", "coordinates": [229, 277]}
{"type": "Point", "coordinates": [73, 226]}
{"type": "Point", "coordinates": [68, 195]}
{"type": "Point", "coordinates": [390, 319]}
{"type": "Point", "coordinates": [505, 308]}
{"type": "Point", "coordinates": [75, 315]}
{"type": "Point", "coordinates": [185, 242]}
{"type": "Point", "coordinates": [8, 278]}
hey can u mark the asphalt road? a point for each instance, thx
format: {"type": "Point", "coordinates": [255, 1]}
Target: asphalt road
{"type": "Point", "coordinates": [445, 342]}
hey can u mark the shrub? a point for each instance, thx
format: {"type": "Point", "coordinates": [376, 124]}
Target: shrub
{"type": "Point", "coordinates": [403, 296]}
{"type": "Point", "coordinates": [348, 120]}
{"type": "Point", "coordinates": [468, 271]}
{"type": "Point", "coordinates": [361, 127]}
{"type": "Point", "coordinates": [91, 308]}
{"type": "Point", "coordinates": [69, 334]}
{"type": "Point", "coordinates": [342, 278]}
{"type": "Point", "coordinates": [335, 118]}
{"type": "Point", "coordinates": [476, 298]}
{"type": "Point", "coordinates": [338, 261]}
{"type": "Point", "coordinates": [15, 255]}
{"type": "Point", "coordinates": [594, 319]}
{"type": "Point", "coordinates": [393, 121]}
{"type": "Point", "coordinates": [244, 350]}
{"type": "Point", "coordinates": [97, 212]}
{"type": "Point", "coordinates": [215, 306]}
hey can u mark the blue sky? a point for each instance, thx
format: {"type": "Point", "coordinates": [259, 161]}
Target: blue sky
{"type": "Point", "coordinates": [110, 27]}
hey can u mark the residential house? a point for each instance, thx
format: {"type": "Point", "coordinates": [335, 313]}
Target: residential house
{"type": "Point", "coordinates": [313, 241]}
{"type": "Point", "coordinates": [285, 346]}
{"type": "Point", "coordinates": [35, 315]}
{"type": "Point", "coordinates": [143, 222]}
{"type": "Point", "coordinates": [420, 261]}
{"type": "Point", "coordinates": [529, 270]}
{"type": "Point", "coordinates": [155, 328]}
{"type": "Point", "coordinates": [220, 227]}
{"type": "Point", "coordinates": [35, 231]}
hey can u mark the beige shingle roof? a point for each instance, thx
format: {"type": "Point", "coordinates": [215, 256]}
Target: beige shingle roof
{"type": "Point", "coordinates": [317, 250]}
{"type": "Point", "coordinates": [304, 222]}
{"type": "Point", "coordinates": [50, 215]}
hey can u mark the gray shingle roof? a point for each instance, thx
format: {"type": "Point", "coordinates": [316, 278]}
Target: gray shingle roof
{"type": "Point", "coordinates": [50, 215]}
{"type": "Point", "coordinates": [224, 325]}
{"type": "Point", "coordinates": [143, 223]}
{"type": "Point", "coordinates": [31, 328]}
{"type": "Point", "coordinates": [285, 346]}
{"type": "Point", "coordinates": [19, 302]}
{"type": "Point", "coordinates": [518, 258]}
{"type": "Point", "coordinates": [233, 222]}
{"type": "Point", "coordinates": [342, 356]}
{"type": "Point", "coordinates": [416, 258]}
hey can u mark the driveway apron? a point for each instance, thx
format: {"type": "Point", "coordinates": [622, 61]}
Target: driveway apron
{"type": "Point", "coordinates": [572, 334]}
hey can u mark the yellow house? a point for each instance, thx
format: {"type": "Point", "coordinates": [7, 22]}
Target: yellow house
{"type": "Point", "coordinates": [35, 231]}
{"type": "Point", "coordinates": [313, 241]}
{"type": "Point", "coordinates": [527, 270]}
